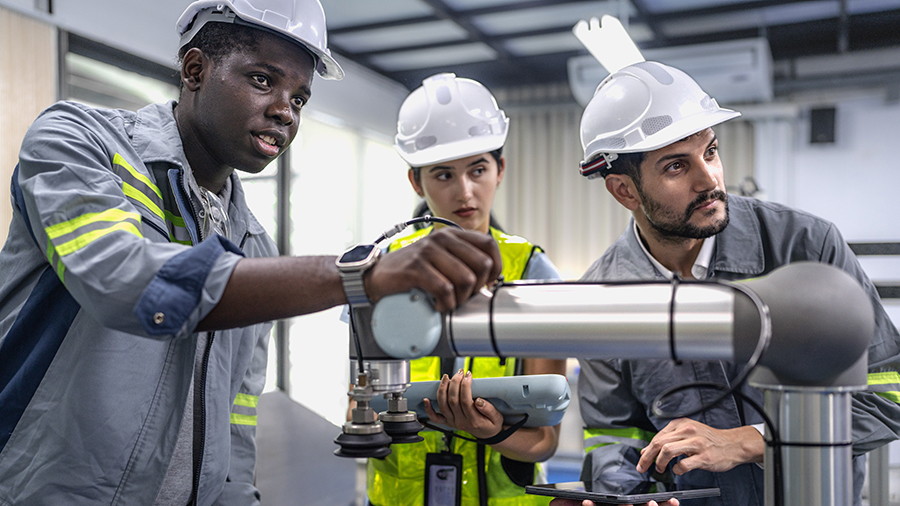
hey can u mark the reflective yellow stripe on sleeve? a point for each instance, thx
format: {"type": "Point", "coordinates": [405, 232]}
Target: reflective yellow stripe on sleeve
{"type": "Point", "coordinates": [596, 438]}
{"type": "Point", "coordinates": [117, 219]}
{"type": "Point", "coordinates": [131, 191]}
{"type": "Point", "coordinates": [239, 419]}
{"type": "Point", "coordinates": [119, 160]}
{"type": "Point", "coordinates": [886, 384]}
{"type": "Point", "coordinates": [246, 400]}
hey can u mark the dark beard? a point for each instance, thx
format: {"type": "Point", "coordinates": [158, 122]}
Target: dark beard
{"type": "Point", "coordinates": [680, 228]}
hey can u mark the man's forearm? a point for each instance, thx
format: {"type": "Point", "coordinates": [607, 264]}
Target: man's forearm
{"type": "Point", "coordinates": [265, 289]}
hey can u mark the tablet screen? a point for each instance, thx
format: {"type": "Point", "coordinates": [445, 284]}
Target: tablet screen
{"type": "Point", "coordinates": [638, 492]}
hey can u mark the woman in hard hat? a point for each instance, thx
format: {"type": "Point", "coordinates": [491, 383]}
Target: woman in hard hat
{"type": "Point", "coordinates": [451, 133]}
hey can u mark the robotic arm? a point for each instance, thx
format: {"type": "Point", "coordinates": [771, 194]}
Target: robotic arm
{"type": "Point", "coordinates": [806, 327]}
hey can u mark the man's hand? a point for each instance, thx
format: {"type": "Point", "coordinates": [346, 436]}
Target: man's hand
{"type": "Point", "coordinates": [715, 450]}
{"type": "Point", "coordinates": [572, 502]}
{"type": "Point", "coordinates": [460, 411]}
{"type": "Point", "coordinates": [450, 264]}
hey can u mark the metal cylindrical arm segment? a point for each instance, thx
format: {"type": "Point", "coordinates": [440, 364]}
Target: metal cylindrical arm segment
{"type": "Point", "coordinates": [559, 320]}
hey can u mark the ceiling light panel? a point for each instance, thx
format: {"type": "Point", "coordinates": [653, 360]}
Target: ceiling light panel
{"type": "Point", "coordinates": [867, 6]}
{"type": "Point", "coordinates": [661, 6]}
{"type": "Point", "coordinates": [523, 20]}
{"type": "Point", "coordinates": [756, 18]}
{"type": "Point", "coordinates": [543, 44]}
{"type": "Point", "coordinates": [435, 57]}
{"type": "Point", "coordinates": [399, 36]}
{"type": "Point", "coordinates": [565, 41]}
{"type": "Point", "coordinates": [464, 5]}
{"type": "Point", "coordinates": [343, 13]}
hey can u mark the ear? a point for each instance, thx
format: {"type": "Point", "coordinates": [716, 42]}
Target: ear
{"type": "Point", "coordinates": [622, 188]}
{"type": "Point", "coordinates": [415, 184]}
{"type": "Point", "coordinates": [192, 66]}
{"type": "Point", "coordinates": [501, 169]}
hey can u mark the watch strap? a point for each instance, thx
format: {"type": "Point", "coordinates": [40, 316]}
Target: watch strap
{"type": "Point", "coordinates": [354, 288]}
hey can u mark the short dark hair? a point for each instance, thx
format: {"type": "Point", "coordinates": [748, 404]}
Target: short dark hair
{"type": "Point", "coordinates": [218, 39]}
{"type": "Point", "coordinates": [628, 164]}
{"type": "Point", "coordinates": [417, 171]}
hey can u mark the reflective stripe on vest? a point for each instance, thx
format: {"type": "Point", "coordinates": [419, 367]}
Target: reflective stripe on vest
{"type": "Point", "coordinates": [632, 436]}
{"type": "Point", "coordinates": [886, 384]}
{"type": "Point", "coordinates": [515, 251]}
{"type": "Point", "coordinates": [399, 479]}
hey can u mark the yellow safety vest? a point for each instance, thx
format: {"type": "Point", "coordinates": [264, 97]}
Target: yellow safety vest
{"type": "Point", "coordinates": [399, 478]}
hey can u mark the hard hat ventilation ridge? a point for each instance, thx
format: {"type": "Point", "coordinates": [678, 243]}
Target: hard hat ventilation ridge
{"type": "Point", "coordinates": [425, 141]}
{"type": "Point", "coordinates": [652, 125]}
{"type": "Point", "coordinates": [610, 143]}
{"type": "Point", "coordinates": [656, 70]}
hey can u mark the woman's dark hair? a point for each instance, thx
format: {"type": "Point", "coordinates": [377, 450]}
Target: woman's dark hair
{"type": "Point", "coordinates": [417, 171]}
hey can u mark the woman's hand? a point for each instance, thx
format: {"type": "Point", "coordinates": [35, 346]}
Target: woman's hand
{"type": "Point", "coordinates": [460, 411]}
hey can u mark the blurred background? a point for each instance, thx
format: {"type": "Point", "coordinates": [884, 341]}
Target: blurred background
{"type": "Point", "coordinates": [817, 81]}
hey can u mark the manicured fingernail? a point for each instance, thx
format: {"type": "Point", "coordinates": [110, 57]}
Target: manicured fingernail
{"type": "Point", "coordinates": [468, 374]}
{"type": "Point", "coordinates": [479, 403]}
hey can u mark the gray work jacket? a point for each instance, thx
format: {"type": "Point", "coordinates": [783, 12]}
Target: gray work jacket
{"type": "Point", "coordinates": [100, 292]}
{"type": "Point", "coordinates": [615, 395]}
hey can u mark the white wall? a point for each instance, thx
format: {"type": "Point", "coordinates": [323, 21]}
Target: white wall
{"type": "Point", "coordinates": [853, 182]}
{"type": "Point", "coordinates": [147, 29]}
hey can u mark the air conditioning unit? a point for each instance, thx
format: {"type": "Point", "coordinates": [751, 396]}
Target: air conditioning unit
{"type": "Point", "coordinates": [732, 72]}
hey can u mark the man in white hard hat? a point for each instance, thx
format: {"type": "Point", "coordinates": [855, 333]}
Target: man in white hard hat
{"type": "Point", "coordinates": [135, 300]}
{"type": "Point", "coordinates": [648, 132]}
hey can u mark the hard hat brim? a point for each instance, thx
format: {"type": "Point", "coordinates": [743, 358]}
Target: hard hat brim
{"type": "Point", "coordinates": [669, 135]}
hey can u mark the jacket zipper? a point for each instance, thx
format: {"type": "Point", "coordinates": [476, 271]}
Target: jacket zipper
{"type": "Point", "coordinates": [212, 335]}
{"type": "Point", "coordinates": [195, 493]}
{"type": "Point", "coordinates": [200, 447]}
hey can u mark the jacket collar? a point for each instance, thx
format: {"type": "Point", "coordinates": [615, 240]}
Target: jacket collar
{"type": "Point", "coordinates": [738, 247]}
{"type": "Point", "coordinates": [156, 139]}
{"type": "Point", "coordinates": [737, 250]}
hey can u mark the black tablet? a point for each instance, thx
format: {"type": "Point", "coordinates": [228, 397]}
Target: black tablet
{"type": "Point", "coordinates": [639, 493]}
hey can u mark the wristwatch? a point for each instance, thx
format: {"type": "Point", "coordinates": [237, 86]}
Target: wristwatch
{"type": "Point", "coordinates": [352, 265]}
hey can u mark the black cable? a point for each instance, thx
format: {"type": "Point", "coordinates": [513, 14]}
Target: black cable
{"type": "Point", "coordinates": [499, 438]}
{"type": "Point", "coordinates": [396, 229]}
{"type": "Point", "coordinates": [491, 323]}
{"type": "Point", "coordinates": [775, 443]}
{"type": "Point", "coordinates": [765, 335]}
{"type": "Point", "coordinates": [675, 280]}
{"type": "Point", "coordinates": [359, 355]}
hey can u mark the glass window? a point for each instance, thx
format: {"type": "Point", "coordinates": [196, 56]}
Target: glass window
{"type": "Point", "coordinates": [346, 188]}
{"type": "Point", "coordinates": [100, 84]}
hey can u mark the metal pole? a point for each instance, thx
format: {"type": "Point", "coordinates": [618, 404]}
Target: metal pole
{"type": "Point", "coordinates": [283, 238]}
{"type": "Point", "coordinates": [815, 431]}
{"type": "Point", "coordinates": [879, 476]}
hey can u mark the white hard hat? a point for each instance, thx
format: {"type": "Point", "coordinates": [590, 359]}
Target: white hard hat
{"type": "Point", "coordinates": [643, 107]}
{"type": "Point", "coordinates": [302, 21]}
{"type": "Point", "coordinates": [448, 118]}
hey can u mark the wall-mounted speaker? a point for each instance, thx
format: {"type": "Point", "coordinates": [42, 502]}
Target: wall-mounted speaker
{"type": "Point", "coordinates": [821, 125]}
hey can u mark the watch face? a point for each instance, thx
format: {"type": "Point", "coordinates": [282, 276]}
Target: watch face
{"type": "Point", "coordinates": [358, 253]}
